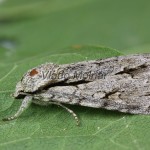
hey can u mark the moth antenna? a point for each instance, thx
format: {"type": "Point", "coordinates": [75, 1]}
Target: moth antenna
{"type": "Point", "coordinates": [25, 104]}
{"type": "Point", "coordinates": [69, 110]}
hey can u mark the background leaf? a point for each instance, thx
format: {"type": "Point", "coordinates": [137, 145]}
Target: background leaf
{"type": "Point", "coordinates": [33, 32]}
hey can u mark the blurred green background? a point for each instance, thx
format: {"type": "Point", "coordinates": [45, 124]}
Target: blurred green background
{"type": "Point", "coordinates": [32, 27]}
{"type": "Point", "coordinates": [37, 31]}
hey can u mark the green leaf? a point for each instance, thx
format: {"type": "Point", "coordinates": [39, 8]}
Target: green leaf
{"type": "Point", "coordinates": [34, 32]}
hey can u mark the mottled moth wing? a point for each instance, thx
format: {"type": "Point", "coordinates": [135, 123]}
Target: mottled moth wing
{"type": "Point", "coordinates": [127, 91]}
{"type": "Point", "coordinates": [49, 74]}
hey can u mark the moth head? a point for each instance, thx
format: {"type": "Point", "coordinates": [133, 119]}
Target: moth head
{"type": "Point", "coordinates": [37, 78]}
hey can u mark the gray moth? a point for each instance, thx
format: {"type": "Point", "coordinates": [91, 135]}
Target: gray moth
{"type": "Point", "coordinates": [119, 83]}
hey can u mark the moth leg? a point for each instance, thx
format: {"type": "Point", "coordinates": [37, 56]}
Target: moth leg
{"type": "Point", "coordinates": [69, 110]}
{"type": "Point", "coordinates": [25, 104]}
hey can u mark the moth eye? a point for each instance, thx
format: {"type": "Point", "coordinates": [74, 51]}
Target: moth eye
{"type": "Point", "coordinates": [33, 72]}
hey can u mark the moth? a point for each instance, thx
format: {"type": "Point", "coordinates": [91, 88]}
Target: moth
{"type": "Point", "coordinates": [119, 83]}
